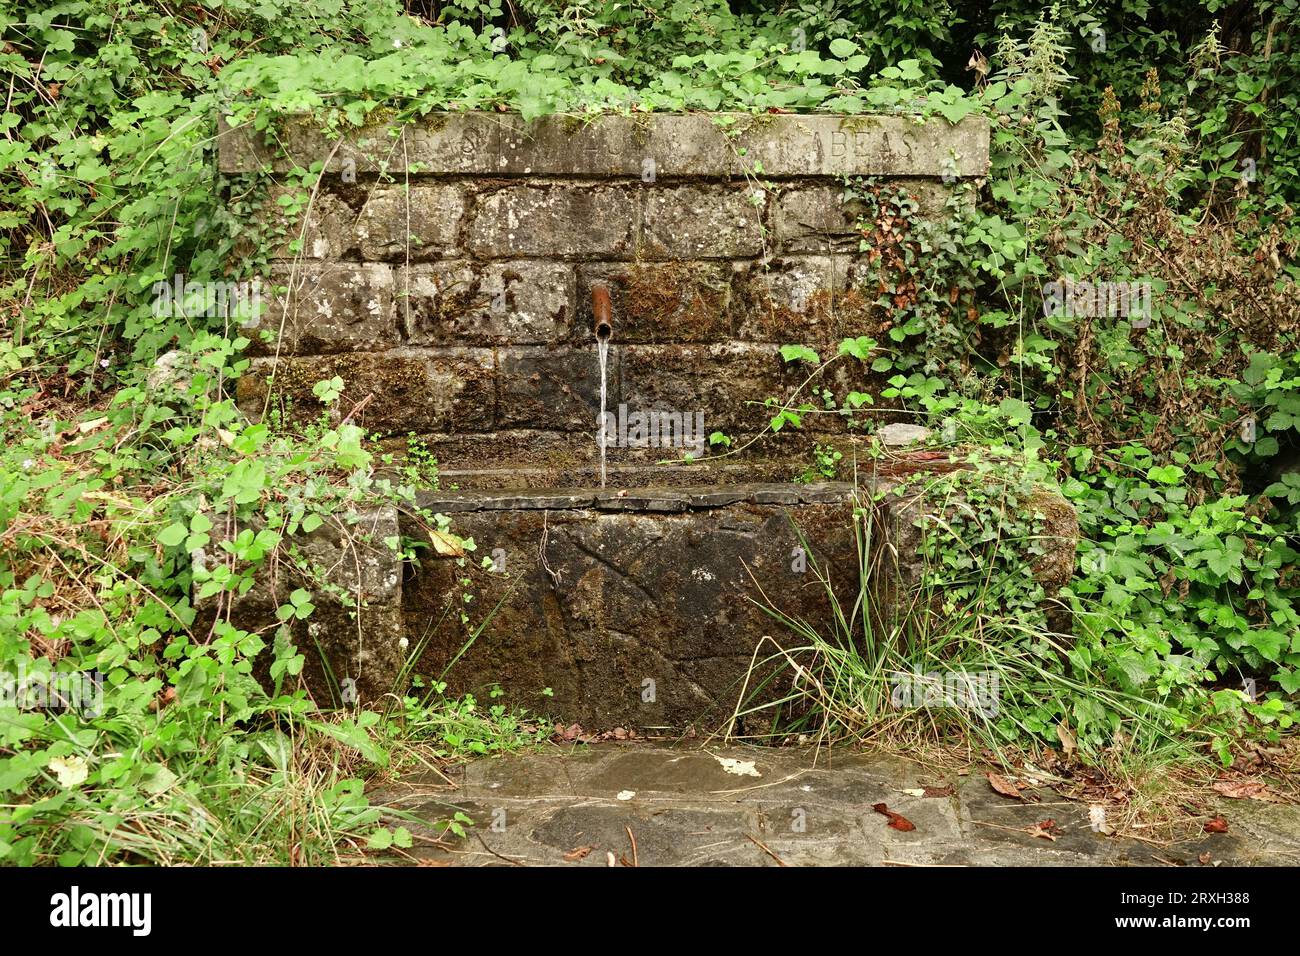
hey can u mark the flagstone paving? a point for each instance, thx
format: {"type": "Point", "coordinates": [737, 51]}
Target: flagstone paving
{"type": "Point", "coordinates": [693, 805]}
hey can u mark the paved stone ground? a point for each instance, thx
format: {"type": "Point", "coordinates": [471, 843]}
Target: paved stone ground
{"type": "Point", "coordinates": [685, 808]}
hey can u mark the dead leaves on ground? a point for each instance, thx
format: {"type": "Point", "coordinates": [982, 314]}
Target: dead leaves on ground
{"type": "Point", "coordinates": [1246, 790]}
{"type": "Point", "coordinates": [574, 733]}
{"type": "Point", "coordinates": [1043, 829]}
{"type": "Point", "coordinates": [577, 854]}
{"type": "Point", "coordinates": [929, 792]}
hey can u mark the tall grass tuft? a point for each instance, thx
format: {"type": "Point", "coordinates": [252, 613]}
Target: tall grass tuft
{"type": "Point", "coordinates": [865, 671]}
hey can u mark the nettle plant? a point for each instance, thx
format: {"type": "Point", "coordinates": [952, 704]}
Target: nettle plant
{"type": "Point", "coordinates": [117, 526]}
{"type": "Point", "coordinates": [981, 543]}
{"type": "Point", "coordinates": [915, 293]}
{"type": "Point", "coordinates": [585, 59]}
{"type": "Point", "coordinates": [1209, 586]}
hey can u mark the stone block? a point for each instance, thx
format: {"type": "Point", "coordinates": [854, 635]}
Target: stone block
{"type": "Point", "coordinates": [554, 388]}
{"type": "Point", "coordinates": [415, 224]}
{"type": "Point", "coordinates": [703, 222]}
{"type": "Point", "coordinates": [658, 302]}
{"type": "Point", "coordinates": [316, 226]}
{"type": "Point", "coordinates": [726, 382]}
{"type": "Point", "coordinates": [553, 220]}
{"type": "Point", "coordinates": [806, 300]}
{"type": "Point", "coordinates": [444, 390]}
{"type": "Point", "coordinates": [350, 640]}
{"type": "Point", "coordinates": [701, 145]}
{"type": "Point", "coordinates": [634, 619]}
{"type": "Point", "coordinates": [520, 302]}
{"type": "Point", "coordinates": [324, 307]}
{"type": "Point", "coordinates": [815, 218]}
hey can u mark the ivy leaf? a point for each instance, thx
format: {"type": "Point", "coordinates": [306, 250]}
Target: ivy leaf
{"type": "Point", "coordinates": [1016, 411]}
{"type": "Point", "coordinates": [173, 535]}
{"type": "Point", "coordinates": [794, 353]}
{"type": "Point", "coordinates": [842, 48]}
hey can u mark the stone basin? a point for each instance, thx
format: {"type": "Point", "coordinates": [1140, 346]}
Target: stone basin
{"type": "Point", "coordinates": [650, 608]}
{"type": "Point", "coordinates": [633, 607]}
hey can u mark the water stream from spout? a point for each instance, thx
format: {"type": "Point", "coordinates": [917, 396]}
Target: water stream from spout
{"type": "Point", "coordinates": [602, 349]}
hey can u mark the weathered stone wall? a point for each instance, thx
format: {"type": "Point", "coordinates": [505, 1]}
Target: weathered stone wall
{"type": "Point", "coordinates": [446, 270]}
{"type": "Point", "coordinates": [350, 642]}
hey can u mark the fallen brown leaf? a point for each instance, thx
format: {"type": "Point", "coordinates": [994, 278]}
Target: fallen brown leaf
{"type": "Point", "coordinates": [1004, 786]}
{"type": "Point", "coordinates": [446, 545]}
{"type": "Point", "coordinates": [1245, 790]}
{"type": "Point", "coordinates": [1068, 743]}
{"type": "Point", "coordinates": [571, 732]}
{"type": "Point", "coordinates": [1217, 825]}
{"type": "Point", "coordinates": [579, 853]}
{"type": "Point", "coordinates": [1043, 829]}
{"type": "Point", "coordinates": [896, 820]}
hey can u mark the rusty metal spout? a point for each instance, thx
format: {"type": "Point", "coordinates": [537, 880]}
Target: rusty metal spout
{"type": "Point", "coordinates": [603, 322]}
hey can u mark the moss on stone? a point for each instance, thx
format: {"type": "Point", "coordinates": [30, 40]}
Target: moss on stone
{"type": "Point", "coordinates": [674, 297]}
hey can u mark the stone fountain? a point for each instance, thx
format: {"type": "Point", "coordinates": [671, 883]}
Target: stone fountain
{"type": "Point", "coordinates": [513, 294]}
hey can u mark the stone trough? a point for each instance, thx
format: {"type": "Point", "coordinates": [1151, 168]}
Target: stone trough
{"type": "Point", "coordinates": [460, 275]}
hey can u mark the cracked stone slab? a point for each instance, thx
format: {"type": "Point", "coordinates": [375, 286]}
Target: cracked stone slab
{"type": "Point", "coordinates": [638, 611]}
{"type": "Point", "coordinates": [642, 499]}
{"type": "Point", "coordinates": [638, 608]}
